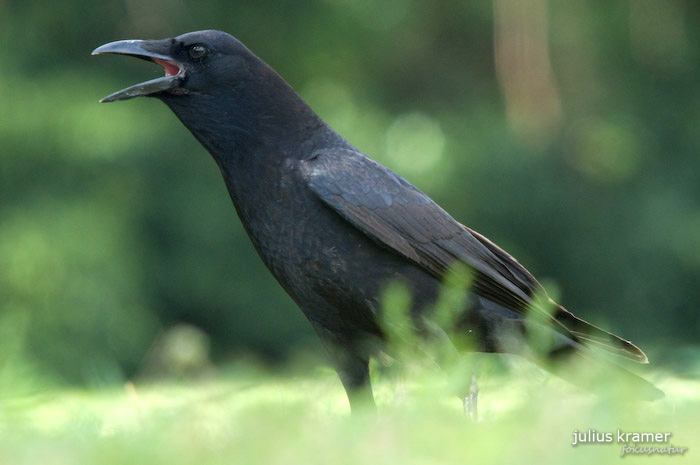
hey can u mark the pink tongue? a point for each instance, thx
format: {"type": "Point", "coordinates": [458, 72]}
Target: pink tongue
{"type": "Point", "coordinates": [171, 69]}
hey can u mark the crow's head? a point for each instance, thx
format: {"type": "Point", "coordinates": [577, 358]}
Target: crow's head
{"type": "Point", "coordinates": [194, 63]}
{"type": "Point", "coordinates": [231, 100]}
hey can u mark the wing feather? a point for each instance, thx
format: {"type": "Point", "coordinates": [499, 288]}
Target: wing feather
{"type": "Point", "coordinates": [397, 215]}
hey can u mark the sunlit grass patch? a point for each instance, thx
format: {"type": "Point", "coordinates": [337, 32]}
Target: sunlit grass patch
{"type": "Point", "coordinates": [252, 416]}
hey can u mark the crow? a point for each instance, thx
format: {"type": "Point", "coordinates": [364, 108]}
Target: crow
{"type": "Point", "coordinates": [335, 227]}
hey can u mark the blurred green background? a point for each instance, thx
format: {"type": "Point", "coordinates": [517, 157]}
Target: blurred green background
{"type": "Point", "coordinates": [567, 132]}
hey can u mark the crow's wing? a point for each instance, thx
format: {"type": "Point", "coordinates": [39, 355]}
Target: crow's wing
{"type": "Point", "coordinates": [397, 215]}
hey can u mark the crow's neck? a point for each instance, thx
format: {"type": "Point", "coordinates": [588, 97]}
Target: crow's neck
{"type": "Point", "coordinates": [263, 114]}
{"type": "Point", "coordinates": [256, 132]}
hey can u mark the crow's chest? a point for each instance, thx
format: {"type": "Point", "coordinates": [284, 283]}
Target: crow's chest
{"type": "Point", "coordinates": [295, 234]}
{"type": "Point", "coordinates": [332, 270]}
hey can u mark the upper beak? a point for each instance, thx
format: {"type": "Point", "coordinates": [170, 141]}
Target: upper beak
{"type": "Point", "coordinates": [152, 50]}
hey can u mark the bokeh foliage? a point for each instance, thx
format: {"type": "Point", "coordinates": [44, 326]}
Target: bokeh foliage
{"type": "Point", "coordinates": [567, 132]}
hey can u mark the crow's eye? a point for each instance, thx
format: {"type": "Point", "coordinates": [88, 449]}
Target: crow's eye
{"type": "Point", "coordinates": [197, 51]}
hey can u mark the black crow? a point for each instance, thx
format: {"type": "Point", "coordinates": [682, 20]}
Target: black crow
{"type": "Point", "coordinates": [335, 227]}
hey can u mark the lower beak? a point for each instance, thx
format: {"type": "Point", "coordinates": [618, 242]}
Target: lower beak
{"type": "Point", "coordinates": [151, 50]}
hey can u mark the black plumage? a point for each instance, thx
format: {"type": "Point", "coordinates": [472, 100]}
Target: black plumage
{"type": "Point", "coordinates": [334, 226]}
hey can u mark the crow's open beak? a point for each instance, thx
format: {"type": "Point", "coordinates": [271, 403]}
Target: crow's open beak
{"type": "Point", "coordinates": [151, 50]}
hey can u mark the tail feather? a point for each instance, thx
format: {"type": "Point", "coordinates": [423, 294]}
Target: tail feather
{"type": "Point", "coordinates": [602, 377]}
{"type": "Point", "coordinates": [597, 338]}
{"type": "Point", "coordinates": [576, 358]}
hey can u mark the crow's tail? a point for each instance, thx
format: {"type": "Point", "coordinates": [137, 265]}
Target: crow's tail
{"type": "Point", "coordinates": [584, 358]}
{"type": "Point", "coordinates": [597, 338]}
{"type": "Point", "coordinates": [606, 378]}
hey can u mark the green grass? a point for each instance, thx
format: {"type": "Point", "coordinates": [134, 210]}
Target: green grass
{"type": "Point", "coordinates": [248, 416]}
